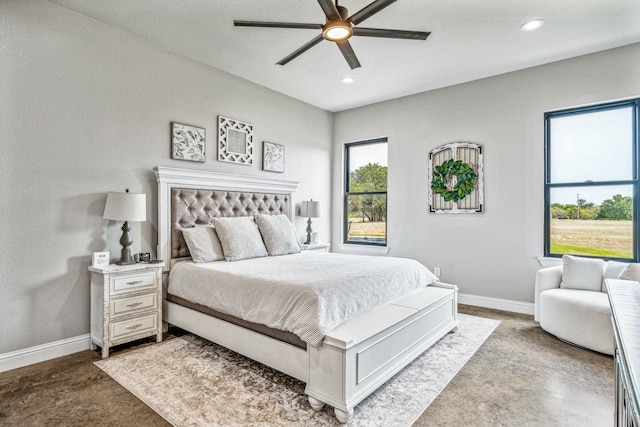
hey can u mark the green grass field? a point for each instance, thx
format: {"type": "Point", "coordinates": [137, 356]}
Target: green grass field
{"type": "Point", "coordinates": [603, 238]}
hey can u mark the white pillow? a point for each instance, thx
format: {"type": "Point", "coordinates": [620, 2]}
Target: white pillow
{"type": "Point", "coordinates": [240, 238]}
{"type": "Point", "coordinates": [278, 234]}
{"type": "Point", "coordinates": [630, 272]}
{"type": "Point", "coordinates": [582, 273]}
{"type": "Point", "coordinates": [203, 244]}
{"type": "Point", "coordinates": [612, 270]}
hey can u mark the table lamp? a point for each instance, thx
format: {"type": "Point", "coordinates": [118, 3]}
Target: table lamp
{"type": "Point", "coordinates": [125, 207]}
{"type": "Point", "coordinates": [310, 209]}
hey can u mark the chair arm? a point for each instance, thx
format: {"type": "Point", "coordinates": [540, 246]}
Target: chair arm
{"type": "Point", "coordinates": [546, 278]}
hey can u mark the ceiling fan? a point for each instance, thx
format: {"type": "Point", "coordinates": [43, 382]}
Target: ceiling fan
{"type": "Point", "coordinates": [339, 28]}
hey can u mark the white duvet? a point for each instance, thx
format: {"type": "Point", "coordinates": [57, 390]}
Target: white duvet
{"type": "Point", "coordinates": [308, 294]}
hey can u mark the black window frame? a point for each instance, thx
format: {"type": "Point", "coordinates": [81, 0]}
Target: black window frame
{"type": "Point", "coordinates": [347, 193]}
{"type": "Point", "coordinates": [548, 185]}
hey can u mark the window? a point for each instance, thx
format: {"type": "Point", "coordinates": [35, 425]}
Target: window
{"type": "Point", "coordinates": [591, 181]}
{"type": "Point", "coordinates": [365, 200]}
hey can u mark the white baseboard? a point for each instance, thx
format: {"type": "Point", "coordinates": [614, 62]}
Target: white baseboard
{"type": "Point", "coordinates": [40, 353]}
{"type": "Point", "coordinates": [497, 303]}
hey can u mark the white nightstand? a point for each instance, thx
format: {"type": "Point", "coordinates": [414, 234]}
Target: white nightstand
{"type": "Point", "coordinates": [126, 304]}
{"type": "Point", "coordinates": [318, 247]}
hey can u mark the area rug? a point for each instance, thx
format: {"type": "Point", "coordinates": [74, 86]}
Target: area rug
{"type": "Point", "coordinates": [192, 382]}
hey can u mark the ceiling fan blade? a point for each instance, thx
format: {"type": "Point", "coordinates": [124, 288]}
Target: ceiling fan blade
{"type": "Point", "coordinates": [277, 25]}
{"type": "Point", "coordinates": [317, 39]}
{"type": "Point", "coordinates": [349, 54]}
{"type": "Point", "coordinates": [330, 10]}
{"type": "Point", "coordinates": [390, 34]}
{"type": "Point", "coordinates": [368, 11]}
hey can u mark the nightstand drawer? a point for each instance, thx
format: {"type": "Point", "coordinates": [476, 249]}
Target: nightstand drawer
{"type": "Point", "coordinates": [132, 304]}
{"type": "Point", "coordinates": [133, 326]}
{"type": "Point", "coordinates": [133, 282]}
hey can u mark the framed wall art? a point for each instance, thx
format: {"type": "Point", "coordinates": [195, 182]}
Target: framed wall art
{"type": "Point", "coordinates": [456, 178]}
{"type": "Point", "coordinates": [272, 157]}
{"type": "Point", "coordinates": [187, 142]}
{"type": "Point", "coordinates": [235, 141]}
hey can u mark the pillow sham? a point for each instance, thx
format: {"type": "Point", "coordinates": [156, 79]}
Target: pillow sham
{"type": "Point", "coordinates": [630, 272]}
{"type": "Point", "coordinates": [582, 273]}
{"type": "Point", "coordinates": [278, 234]}
{"type": "Point", "coordinates": [203, 243]}
{"type": "Point", "coordinates": [239, 237]}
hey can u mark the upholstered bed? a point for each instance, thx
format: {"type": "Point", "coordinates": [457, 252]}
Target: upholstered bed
{"type": "Point", "coordinates": [345, 350]}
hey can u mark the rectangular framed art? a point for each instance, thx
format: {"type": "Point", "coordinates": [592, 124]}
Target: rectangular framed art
{"type": "Point", "coordinates": [272, 157]}
{"type": "Point", "coordinates": [100, 260]}
{"type": "Point", "coordinates": [187, 143]}
{"type": "Point", "coordinates": [235, 141]}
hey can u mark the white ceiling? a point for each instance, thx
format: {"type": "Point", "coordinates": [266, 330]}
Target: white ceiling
{"type": "Point", "coordinates": [470, 39]}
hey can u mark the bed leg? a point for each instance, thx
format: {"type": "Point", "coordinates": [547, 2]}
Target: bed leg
{"type": "Point", "coordinates": [343, 416]}
{"type": "Point", "coordinates": [315, 403]}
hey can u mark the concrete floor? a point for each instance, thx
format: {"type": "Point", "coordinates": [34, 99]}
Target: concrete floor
{"type": "Point", "coordinates": [521, 376]}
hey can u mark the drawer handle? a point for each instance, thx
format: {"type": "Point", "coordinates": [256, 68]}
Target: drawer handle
{"type": "Point", "coordinates": [135, 282]}
{"type": "Point", "coordinates": [136, 326]}
{"type": "Point", "coordinates": [135, 304]}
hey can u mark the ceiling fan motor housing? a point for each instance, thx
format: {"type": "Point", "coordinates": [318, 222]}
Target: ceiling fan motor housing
{"type": "Point", "coordinates": [338, 30]}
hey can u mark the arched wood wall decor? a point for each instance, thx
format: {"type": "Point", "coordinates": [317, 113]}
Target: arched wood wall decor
{"type": "Point", "coordinates": [470, 199]}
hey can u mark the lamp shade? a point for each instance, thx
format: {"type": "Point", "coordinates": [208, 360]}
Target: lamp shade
{"type": "Point", "coordinates": [310, 209]}
{"type": "Point", "coordinates": [125, 207]}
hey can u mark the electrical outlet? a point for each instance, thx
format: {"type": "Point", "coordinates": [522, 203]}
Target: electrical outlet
{"type": "Point", "coordinates": [436, 271]}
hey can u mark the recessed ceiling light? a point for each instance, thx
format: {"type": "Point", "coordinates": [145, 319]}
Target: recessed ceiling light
{"type": "Point", "coordinates": [348, 79]}
{"type": "Point", "coordinates": [532, 25]}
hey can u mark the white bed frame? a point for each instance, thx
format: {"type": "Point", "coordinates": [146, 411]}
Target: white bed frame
{"type": "Point", "coordinates": [355, 358]}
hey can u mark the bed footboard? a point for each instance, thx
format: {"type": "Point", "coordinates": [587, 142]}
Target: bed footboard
{"type": "Point", "coordinates": [360, 355]}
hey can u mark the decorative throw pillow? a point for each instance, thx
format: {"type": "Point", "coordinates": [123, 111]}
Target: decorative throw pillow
{"type": "Point", "coordinates": [582, 273]}
{"type": "Point", "coordinates": [631, 272]}
{"type": "Point", "coordinates": [278, 234]}
{"type": "Point", "coordinates": [203, 243]}
{"type": "Point", "coordinates": [240, 238]}
{"type": "Point", "coordinates": [612, 270]}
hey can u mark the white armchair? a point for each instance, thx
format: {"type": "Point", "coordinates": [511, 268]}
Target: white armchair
{"type": "Point", "coordinates": [580, 317]}
{"type": "Point", "coordinates": [571, 301]}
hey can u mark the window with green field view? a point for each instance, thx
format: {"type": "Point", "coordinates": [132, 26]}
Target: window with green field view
{"type": "Point", "coordinates": [591, 181]}
{"type": "Point", "coordinates": [365, 200]}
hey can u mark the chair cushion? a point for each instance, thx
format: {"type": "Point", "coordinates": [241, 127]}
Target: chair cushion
{"type": "Point", "coordinates": [630, 272]}
{"type": "Point", "coordinates": [578, 316]}
{"type": "Point", "coordinates": [582, 273]}
{"type": "Point", "coordinates": [612, 270]}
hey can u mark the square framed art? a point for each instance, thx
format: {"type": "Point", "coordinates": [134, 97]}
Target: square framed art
{"type": "Point", "coordinates": [188, 143]}
{"type": "Point", "coordinates": [235, 141]}
{"type": "Point", "coordinates": [272, 157]}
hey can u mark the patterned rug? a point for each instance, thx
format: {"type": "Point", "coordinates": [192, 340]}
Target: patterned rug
{"type": "Point", "coordinates": [192, 382]}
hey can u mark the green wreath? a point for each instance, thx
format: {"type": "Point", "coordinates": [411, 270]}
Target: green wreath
{"type": "Point", "coordinates": [442, 181]}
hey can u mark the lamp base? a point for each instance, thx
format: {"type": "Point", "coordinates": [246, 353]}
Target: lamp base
{"type": "Point", "coordinates": [308, 241]}
{"type": "Point", "coordinates": [125, 241]}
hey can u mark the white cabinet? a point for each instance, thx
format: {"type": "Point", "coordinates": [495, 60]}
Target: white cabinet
{"type": "Point", "coordinates": [125, 304]}
{"type": "Point", "coordinates": [318, 247]}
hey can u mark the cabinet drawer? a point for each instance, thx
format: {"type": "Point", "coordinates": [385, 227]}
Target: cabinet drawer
{"type": "Point", "coordinates": [132, 282]}
{"type": "Point", "coordinates": [133, 326]}
{"type": "Point", "coordinates": [132, 304]}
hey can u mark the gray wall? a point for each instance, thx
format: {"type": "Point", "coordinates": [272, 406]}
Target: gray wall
{"type": "Point", "coordinates": [86, 109]}
{"type": "Point", "coordinates": [492, 254]}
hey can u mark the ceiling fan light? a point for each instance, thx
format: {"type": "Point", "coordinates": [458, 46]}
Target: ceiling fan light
{"type": "Point", "coordinates": [337, 31]}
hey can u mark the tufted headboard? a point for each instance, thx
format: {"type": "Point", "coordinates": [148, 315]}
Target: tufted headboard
{"type": "Point", "coordinates": [191, 207]}
{"type": "Point", "coordinates": [187, 198]}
